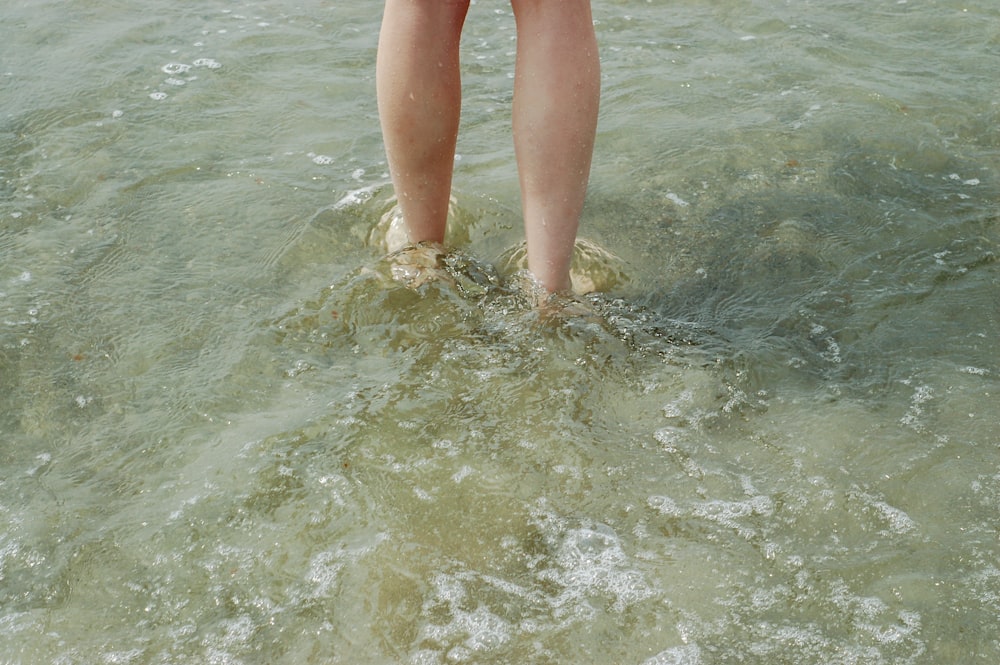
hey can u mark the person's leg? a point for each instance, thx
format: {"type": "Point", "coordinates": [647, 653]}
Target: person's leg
{"type": "Point", "coordinates": [557, 88]}
{"type": "Point", "coordinates": [419, 92]}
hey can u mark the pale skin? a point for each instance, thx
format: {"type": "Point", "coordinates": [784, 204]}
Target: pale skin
{"type": "Point", "coordinates": [556, 98]}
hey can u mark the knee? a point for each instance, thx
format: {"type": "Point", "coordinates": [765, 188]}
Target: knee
{"type": "Point", "coordinates": [444, 12]}
{"type": "Point", "coordinates": [459, 7]}
{"type": "Point", "coordinates": [565, 11]}
{"type": "Point", "coordinates": [437, 7]}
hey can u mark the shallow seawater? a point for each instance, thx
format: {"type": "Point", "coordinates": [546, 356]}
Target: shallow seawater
{"type": "Point", "coordinates": [230, 437]}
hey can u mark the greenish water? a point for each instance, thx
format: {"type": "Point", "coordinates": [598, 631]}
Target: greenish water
{"type": "Point", "coordinates": [227, 438]}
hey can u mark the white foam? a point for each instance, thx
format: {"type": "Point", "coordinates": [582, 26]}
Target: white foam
{"type": "Point", "coordinates": [897, 519]}
{"type": "Point", "coordinates": [486, 630]}
{"type": "Point", "coordinates": [43, 459]}
{"type": "Point", "coordinates": [9, 549]}
{"type": "Point", "coordinates": [462, 473]}
{"type": "Point", "coordinates": [591, 561]}
{"type": "Point", "coordinates": [425, 657]}
{"type": "Point", "coordinates": [354, 198]}
{"type": "Point", "coordinates": [676, 200]}
{"type": "Point", "coordinates": [913, 417]}
{"type": "Point", "coordinates": [238, 630]}
{"type": "Point", "coordinates": [468, 632]}
{"type": "Point", "coordinates": [668, 437]}
{"type": "Point", "coordinates": [689, 654]}
{"type": "Point", "coordinates": [729, 514]}
{"type": "Point", "coordinates": [324, 572]}
{"type": "Point", "coordinates": [122, 657]}
{"type": "Point", "coordinates": [970, 181]}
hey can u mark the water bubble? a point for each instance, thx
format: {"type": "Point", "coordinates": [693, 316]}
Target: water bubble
{"type": "Point", "coordinates": [174, 68]}
{"type": "Point", "coordinates": [207, 62]}
{"type": "Point", "coordinates": [664, 504]}
{"type": "Point", "coordinates": [322, 160]}
{"type": "Point", "coordinates": [158, 96]}
{"type": "Point", "coordinates": [174, 81]}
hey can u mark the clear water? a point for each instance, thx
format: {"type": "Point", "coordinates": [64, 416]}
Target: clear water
{"type": "Point", "coordinates": [227, 439]}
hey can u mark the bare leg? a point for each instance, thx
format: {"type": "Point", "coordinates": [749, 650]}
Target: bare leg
{"type": "Point", "coordinates": [419, 101]}
{"type": "Point", "coordinates": [557, 87]}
